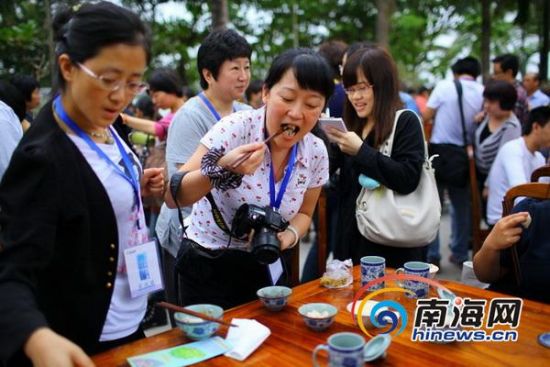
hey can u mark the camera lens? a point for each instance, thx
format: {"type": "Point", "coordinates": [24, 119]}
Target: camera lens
{"type": "Point", "coordinates": [265, 246]}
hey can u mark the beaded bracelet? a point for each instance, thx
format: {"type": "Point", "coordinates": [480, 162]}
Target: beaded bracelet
{"type": "Point", "coordinates": [221, 178]}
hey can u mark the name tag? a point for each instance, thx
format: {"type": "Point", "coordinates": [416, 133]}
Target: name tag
{"type": "Point", "coordinates": [143, 268]}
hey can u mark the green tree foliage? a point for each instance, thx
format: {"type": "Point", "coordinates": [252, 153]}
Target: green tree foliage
{"type": "Point", "coordinates": [23, 48]}
{"type": "Point", "coordinates": [416, 30]}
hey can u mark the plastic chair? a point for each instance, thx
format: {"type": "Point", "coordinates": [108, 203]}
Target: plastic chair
{"type": "Point", "coordinates": [533, 190]}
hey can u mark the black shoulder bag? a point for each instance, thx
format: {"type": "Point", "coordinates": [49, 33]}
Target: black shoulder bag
{"type": "Point", "coordinates": [188, 244]}
{"type": "Point", "coordinates": [452, 167]}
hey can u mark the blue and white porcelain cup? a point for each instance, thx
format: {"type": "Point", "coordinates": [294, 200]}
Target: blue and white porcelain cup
{"type": "Point", "coordinates": [372, 267]}
{"type": "Point", "coordinates": [419, 268]}
{"type": "Point", "coordinates": [344, 349]}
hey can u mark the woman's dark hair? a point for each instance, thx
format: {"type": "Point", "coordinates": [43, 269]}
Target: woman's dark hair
{"type": "Point", "coordinates": [217, 47]}
{"type": "Point", "coordinates": [83, 32]}
{"type": "Point", "coordinates": [254, 87]}
{"type": "Point", "coordinates": [11, 96]}
{"type": "Point", "coordinates": [333, 51]}
{"type": "Point", "coordinates": [165, 80]}
{"type": "Point", "coordinates": [310, 69]}
{"type": "Point", "coordinates": [26, 85]}
{"type": "Point", "coordinates": [145, 104]}
{"type": "Point", "coordinates": [503, 92]}
{"type": "Point", "coordinates": [379, 69]}
{"type": "Point", "coordinates": [356, 46]}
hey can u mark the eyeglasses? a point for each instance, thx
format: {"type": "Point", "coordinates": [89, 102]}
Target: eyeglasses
{"type": "Point", "coordinates": [112, 85]}
{"type": "Point", "coordinates": [360, 88]}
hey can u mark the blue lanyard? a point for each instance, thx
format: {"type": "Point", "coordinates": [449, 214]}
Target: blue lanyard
{"type": "Point", "coordinates": [211, 107]}
{"type": "Point", "coordinates": [130, 177]}
{"type": "Point", "coordinates": [276, 203]}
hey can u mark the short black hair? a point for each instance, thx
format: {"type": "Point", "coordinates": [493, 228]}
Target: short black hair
{"type": "Point", "coordinates": [165, 80]}
{"type": "Point", "coordinates": [539, 115]}
{"type": "Point", "coordinates": [83, 32]}
{"type": "Point", "coordinates": [468, 65]}
{"type": "Point", "coordinates": [358, 46]}
{"type": "Point", "coordinates": [188, 92]}
{"type": "Point", "coordinates": [503, 92]}
{"type": "Point", "coordinates": [26, 84]}
{"type": "Point", "coordinates": [11, 96]}
{"type": "Point", "coordinates": [145, 104]}
{"type": "Point", "coordinates": [508, 62]}
{"type": "Point", "coordinates": [217, 47]}
{"type": "Point", "coordinates": [254, 87]}
{"type": "Point", "coordinates": [310, 69]}
{"type": "Point", "coordinates": [333, 51]}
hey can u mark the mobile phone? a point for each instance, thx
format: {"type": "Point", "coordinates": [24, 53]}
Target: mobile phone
{"type": "Point", "coordinates": [334, 122]}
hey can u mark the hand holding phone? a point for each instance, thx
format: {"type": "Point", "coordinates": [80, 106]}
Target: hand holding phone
{"type": "Point", "coordinates": [333, 122]}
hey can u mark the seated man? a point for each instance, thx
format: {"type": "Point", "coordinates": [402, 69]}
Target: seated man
{"type": "Point", "coordinates": [517, 159]}
{"type": "Point", "coordinates": [493, 262]}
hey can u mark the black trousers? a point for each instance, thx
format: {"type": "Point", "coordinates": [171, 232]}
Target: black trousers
{"type": "Point", "coordinates": [227, 281]}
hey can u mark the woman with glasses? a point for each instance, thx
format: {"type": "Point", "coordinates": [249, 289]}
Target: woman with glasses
{"type": "Point", "coordinates": [371, 84]}
{"type": "Point", "coordinates": [73, 241]}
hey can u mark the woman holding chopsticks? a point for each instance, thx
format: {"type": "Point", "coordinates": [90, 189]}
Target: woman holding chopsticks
{"type": "Point", "coordinates": [70, 203]}
{"type": "Point", "coordinates": [266, 159]}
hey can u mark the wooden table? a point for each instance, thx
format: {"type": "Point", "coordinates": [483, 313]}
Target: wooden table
{"type": "Point", "coordinates": [291, 342]}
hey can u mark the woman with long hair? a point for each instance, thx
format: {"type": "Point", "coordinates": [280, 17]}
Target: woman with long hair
{"type": "Point", "coordinates": [371, 84]}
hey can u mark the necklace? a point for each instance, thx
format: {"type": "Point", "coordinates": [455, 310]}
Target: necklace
{"type": "Point", "coordinates": [104, 136]}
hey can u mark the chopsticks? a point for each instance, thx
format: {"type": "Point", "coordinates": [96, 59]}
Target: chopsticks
{"type": "Point", "coordinates": [176, 308]}
{"type": "Point", "coordinates": [240, 160]}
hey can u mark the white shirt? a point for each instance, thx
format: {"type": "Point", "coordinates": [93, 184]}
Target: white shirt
{"type": "Point", "coordinates": [10, 134]}
{"type": "Point", "coordinates": [444, 99]}
{"type": "Point", "coordinates": [310, 170]}
{"type": "Point", "coordinates": [512, 166]}
{"type": "Point", "coordinates": [125, 313]}
{"type": "Point", "coordinates": [538, 99]}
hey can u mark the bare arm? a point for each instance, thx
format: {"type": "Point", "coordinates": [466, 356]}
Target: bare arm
{"type": "Point", "coordinates": [194, 185]}
{"type": "Point", "coordinates": [428, 115]}
{"type": "Point", "coordinates": [506, 233]}
{"type": "Point", "coordinates": [144, 125]}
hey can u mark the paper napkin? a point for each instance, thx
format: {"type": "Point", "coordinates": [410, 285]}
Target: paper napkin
{"type": "Point", "coordinates": [245, 338]}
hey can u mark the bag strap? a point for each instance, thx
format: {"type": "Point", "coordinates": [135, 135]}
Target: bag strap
{"type": "Point", "coordinates": [387, 146]}
{"type": "Point", "coordinates": [460, 107]}
{"type": "Point", "coordinates": [175, 184]}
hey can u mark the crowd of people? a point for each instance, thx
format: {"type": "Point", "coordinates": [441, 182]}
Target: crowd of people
{"type": "Point", "coordinates": [242, 165]}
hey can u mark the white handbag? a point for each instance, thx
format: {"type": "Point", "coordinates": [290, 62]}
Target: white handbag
{"type": "Point", "coordinates": [388, 218]}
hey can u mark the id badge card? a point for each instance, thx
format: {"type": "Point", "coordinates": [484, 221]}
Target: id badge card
{"type": "Point", "coordinates": [143, 269]}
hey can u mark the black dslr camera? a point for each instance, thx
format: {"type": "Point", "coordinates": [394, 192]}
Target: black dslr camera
{"type": "Point", "coordinates": [266, 223]}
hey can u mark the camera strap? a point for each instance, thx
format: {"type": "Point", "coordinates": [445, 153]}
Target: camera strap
{"type": "Point", "coordinates": [218, 218]}
{"type": "Point", "coordinates": [175, 184]}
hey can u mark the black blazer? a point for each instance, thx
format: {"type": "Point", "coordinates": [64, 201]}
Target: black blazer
{"type": "Point", "coordinates": [58, 241]}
